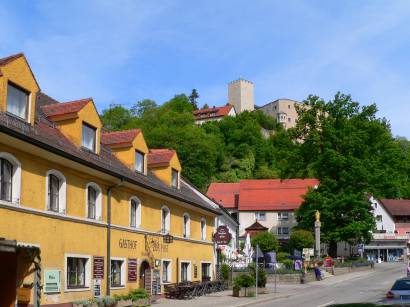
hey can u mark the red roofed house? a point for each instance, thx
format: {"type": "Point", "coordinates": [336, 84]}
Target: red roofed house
{"type": "Point", "coordinates": [212, 114]}
{"type": "Point", "coordinates": [271, 202]}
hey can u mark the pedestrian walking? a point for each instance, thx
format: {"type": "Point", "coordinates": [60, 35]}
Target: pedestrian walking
{"type": "Point", "coordinates": [318, 274]}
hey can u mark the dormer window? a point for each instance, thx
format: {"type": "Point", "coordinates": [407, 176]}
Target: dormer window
{"type": "Point", "coordinates": [89, 137]}
{"type": "Point", "coordinates": [139, 161]}
{"type": "Point", "coordinates": [175, 179]}
{"type": "Point", "coordinates": [17, 101]}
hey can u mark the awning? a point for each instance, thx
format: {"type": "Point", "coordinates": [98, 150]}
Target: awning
{"type": "Point", "coordinates": [386, 247]}
{"type": "Point", "coordinates": [8, 246]}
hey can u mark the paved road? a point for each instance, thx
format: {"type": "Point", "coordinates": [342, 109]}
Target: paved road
{"type": "Point", "coordinates": [365, 286]}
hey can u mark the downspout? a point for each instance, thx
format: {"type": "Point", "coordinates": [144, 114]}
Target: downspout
{"type": "Point", "coordinates": [109, 190]}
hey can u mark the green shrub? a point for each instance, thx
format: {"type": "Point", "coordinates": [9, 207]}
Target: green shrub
{"type": "Point", "coordinates": [225, 270]}
{"type": "Point", "coordinates": [288, 263]}
{"type": "Point", "coordinates": [266, 240]}
{"type": "Point", "coordinates": [244, 281]}
{"type": "Point", "coordinates": [84, 303]}
{"type": "Point", "coordinates": [261, 275]}
{"type": "Point", "coordinates": [138, 294]}
{"type": "Point", "coordinates": [281, 256]}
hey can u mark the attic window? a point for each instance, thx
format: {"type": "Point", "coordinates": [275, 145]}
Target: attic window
{"type": "Point", "coordinates": [139, 161]}
{"type": "Point", "coordinates": [175, 179]}
{"type": "Point", "coordinates": [89, 136]}
{"type": "Point", "coordinates": [17, 101]}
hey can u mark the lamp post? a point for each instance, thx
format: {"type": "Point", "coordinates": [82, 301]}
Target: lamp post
{"type": "Point", "coordinates": [317, 233]}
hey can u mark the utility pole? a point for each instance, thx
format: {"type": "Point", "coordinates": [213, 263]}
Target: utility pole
{"type": "Point", "coordinates": [257, 269]}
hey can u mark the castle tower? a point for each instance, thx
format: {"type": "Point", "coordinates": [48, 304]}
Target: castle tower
{"type": "Point", "coordinates": [240, 95]}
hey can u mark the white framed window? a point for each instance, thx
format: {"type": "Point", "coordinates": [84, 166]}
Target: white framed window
{"type": "Point", "coordinates": [186, 225]}
{"type": "Point", "coordinates": [139, 162]}
{"type": "Point", "coordinates": [166, 270]}
{"type": "Point", "coordinates": [17, 101]}
{"type": "Point", "coordinates": [89, 137]}
{"type": "Point", "coordinates": [93, 201]}
{"type": "Point", "coordinates": [283, 230]}
{"type": "Point", "coordinates": [117, 272]}
{"type": "Point", "coordinates": [206, 272]}
{"type": "Point", "coordinates": [283, 216]}
{"type": "Point", "coordinates": [175, 178]}
{"type": "Point", "coordinates": [135, 212]}
{"type": "Point", "coordinates": [379, 218]}
{"type": "Point", "coordinates": [10, 178]}
{"type": "Point", "coordinates": [78, 272]}
{"type": "Point", "coordinates": [185, 269]}
{"type": "Point", "coordinates": [165, 219]}
{"type": "Point", "coordinates": [203, 229]}
{"type": "Point", "coordinates": [56, 189]}
{"type": "Point", "coordinates": [260, 216]}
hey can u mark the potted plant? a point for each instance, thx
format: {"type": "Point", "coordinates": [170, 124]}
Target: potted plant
{"type": "Point", "coordinates": [242, 281]}
{"type": "Point", "coordinates": [24, 293]}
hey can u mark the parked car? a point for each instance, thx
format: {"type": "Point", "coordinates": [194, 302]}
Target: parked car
{"type": "Point", "coordinates": [400, 292]}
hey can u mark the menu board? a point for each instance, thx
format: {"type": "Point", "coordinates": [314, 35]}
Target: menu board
{"type": "Point", "coordinates": [132, 270]}
{"type": "Point", "coordinates": [98, 267]}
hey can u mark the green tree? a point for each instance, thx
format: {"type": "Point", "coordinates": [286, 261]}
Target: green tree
{"type": "Point", "coordinates": [299, 239]}
{"type": "Point", "coordinates": [143, 106]}
{"type": "Point", "coordinates": [193, 98]}
{"type": "Point", "coordinates": [266, 240]}
{"type": "Point", "coordinates": [115, 117]}
{"type": "Point", "coordinates": [205, 106]}
{"type": "Point", "coordinates": [351, 152]}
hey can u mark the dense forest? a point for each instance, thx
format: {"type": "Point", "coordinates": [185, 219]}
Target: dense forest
{"type": "Point", "coordinates": [229, 150]}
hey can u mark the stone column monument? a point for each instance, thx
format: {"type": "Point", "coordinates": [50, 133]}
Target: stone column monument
{"type": "Point", "coordinates": [317, 234]}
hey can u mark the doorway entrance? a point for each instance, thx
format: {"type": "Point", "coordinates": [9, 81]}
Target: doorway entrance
{"type": "Point", "coordinates": [145, 276]}
{"type": "Point", "coordinates": [8, 269]}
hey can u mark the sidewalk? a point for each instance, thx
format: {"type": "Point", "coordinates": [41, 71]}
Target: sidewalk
{"type": "Point", "coordinates": [225, 298]}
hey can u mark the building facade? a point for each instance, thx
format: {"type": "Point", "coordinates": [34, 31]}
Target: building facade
{"type": "Point", "coordinates": [270, 202]}
{"type": "Point", "coordinates": [283, 110]}
{"type": "Point", "coordinates": [391, 235]}
{"type": "Point", "coordinates": [213, 114]}
{"type": "Point", "coordinates": [84, 212]}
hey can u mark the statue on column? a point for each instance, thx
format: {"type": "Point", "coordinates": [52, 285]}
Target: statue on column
{"type": "Point", "coordinates": [317, 233]}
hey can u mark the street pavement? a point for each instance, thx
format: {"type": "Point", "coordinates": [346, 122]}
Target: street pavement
{"type": "Point", "coordinates": [365, 286]}
{"type": "Point", "coordinates": [362, 286]}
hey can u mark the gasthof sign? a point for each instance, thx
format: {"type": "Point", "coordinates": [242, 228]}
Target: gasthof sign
{"type": "Point", "coordinates": [222, 235]}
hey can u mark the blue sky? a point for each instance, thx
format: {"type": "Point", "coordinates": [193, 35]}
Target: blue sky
{"type": "Point", "coordinates": [124, 51]}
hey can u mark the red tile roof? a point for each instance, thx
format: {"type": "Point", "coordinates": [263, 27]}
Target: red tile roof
{"type": "Point", "coordinates": [160, 157]}
{"type": "Point", "coordinates": [256, 226]}
{"type": "Point", "coordinates": [115, 138]}
{"type": "Point", "coordinates": [45, 135]}
{"type": "Point", "coordinates": [225, 194]}
{"type": "Point", "coordinates": [273, 194]}
{"type": "Point", "coordinates": [213, 112]}
{"type": "Point", "coordinates": [64, 108]}
{"type": "Point", "coordinates": [397, 206]}
{"type": "Point", "coordinates": [262, 195]}
{"type": "Point", "coordinates": [6, 60]}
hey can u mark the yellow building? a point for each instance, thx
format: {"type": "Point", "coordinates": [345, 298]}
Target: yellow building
{"type": "Point", "coordinates": [85, 212]}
